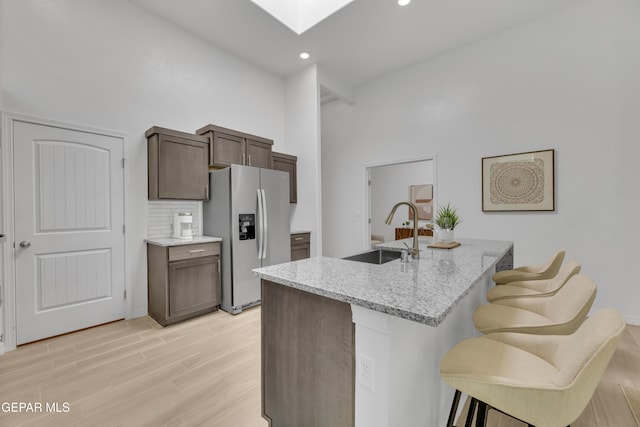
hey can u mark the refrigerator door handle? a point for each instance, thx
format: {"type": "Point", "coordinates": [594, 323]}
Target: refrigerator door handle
{"type": "Point", "coordinates": [265, 217]}
{"type": "Point", "coordinates": [260, 223]}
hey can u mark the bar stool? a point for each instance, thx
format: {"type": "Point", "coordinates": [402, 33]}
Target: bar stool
{"type": "Point", "coordinates": [542, 380]}
{"type": "Point", "coordinates": [534, 287]}
{"type": "Point", "coordinates": [531, 272]}
{"type": "Point", "coordinates": [560, 313]}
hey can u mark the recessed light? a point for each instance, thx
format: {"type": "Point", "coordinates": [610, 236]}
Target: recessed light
{"type": "Point", "coordinates": [305, 55]}
{"type": "Point", "coordinates": [403, 2]}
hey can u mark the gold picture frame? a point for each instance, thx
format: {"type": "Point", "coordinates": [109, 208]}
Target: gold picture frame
{"type": "Point", "coordinates": [519, 182]}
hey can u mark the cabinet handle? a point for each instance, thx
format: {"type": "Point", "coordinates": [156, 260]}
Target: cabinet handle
{"type": "Point", "coordinates": [218, 266]}
{"type": "Point", "coordinates": [243, 158]}
{"type": "Point", "coordinates": [297, 238]}
{"type": "Point", "coordinates": [196, 251]}
{"type": "Point", "coordinates": [206, 192]}
{"type": "Point", "coordinates": [249, 159]}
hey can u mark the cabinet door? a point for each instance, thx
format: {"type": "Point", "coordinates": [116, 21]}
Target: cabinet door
{"type": "Point", "coordinates": [258, 154]}
{"type": "Point", "coordinates": [193, 285]}
{"type": "Point", "coordinates": [287, 164]}
{"type": "Point", "coordinates": [226, 150]}
{"type": "Point", "coordinates": [182, 166]}
{"type": "Point", "coordinates": [300, 252]}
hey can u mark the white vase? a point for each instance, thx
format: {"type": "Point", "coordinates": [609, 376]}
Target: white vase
{"type": "Point", "coordinates": [445, 235]}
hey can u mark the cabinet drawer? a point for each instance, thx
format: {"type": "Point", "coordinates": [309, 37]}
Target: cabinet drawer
{"type": "Point", "coordinates": [299, 239]}
{"type": "Point", "coordinates": [195, 250]}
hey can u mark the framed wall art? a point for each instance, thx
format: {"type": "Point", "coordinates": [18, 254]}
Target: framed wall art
{"type": "Point", "coordinates": [421, 196]}
{"type": "Point", "coordinates": [519, 182]}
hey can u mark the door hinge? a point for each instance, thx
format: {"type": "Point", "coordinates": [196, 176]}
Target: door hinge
{"type": "Point", "coordinates": [123, 228]}
{"type": "Point", "coordinates": [369, 182]}
{"type": "Point", "coordinates": [369, 220]}
{"type": "Point", "coordinates": [125, 294]}
{"type": "Point", "coordinates": [123, 163]}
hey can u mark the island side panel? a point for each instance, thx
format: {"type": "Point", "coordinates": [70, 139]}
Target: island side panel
{"type": "Point", "coordinates": [506, 262]}
{"type": "Point", "coordinates": [308, 362]}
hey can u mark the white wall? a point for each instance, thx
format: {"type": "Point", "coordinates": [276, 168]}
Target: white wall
{"type": "Point", "coordinates": [568, 82]}
{"type": "Point", "coordinates": [110, 65]}
{"type": "Point", "coordinates": [390, 185]}
{"type": "Point", "coordinates": [303, 140]}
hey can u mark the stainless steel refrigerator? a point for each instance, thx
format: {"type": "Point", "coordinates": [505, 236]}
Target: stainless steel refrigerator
{"type": "Point", "coordinates": [249, 208]}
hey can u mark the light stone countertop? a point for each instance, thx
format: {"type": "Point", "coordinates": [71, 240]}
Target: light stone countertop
{"type": "Point", "coordinates": [424, 290]}
{"type": "Point", "coordinates": [170, 241]}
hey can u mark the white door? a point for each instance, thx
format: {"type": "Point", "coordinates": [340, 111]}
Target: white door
{"type": "Point", "coordinates": [69, 229]}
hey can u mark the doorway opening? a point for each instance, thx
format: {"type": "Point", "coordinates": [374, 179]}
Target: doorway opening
{"type": "Point", "coordinates": [396, 181]}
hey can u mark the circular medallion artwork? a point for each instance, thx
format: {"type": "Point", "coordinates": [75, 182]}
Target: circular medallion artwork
{"type": "Point", "coordinates": [517, 182]}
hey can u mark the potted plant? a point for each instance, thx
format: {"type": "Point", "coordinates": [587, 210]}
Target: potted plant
{"type": "Point", "coordinates": [447, 220]}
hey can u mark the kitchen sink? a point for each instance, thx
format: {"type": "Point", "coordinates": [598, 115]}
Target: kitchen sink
{"type": "Point", "coordinates": [375, 257]}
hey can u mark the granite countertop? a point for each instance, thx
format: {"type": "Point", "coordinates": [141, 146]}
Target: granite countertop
{"type": "Point", "coordinates": [170, 241]}
{"type": "Point", "coordinates": [424, 290]}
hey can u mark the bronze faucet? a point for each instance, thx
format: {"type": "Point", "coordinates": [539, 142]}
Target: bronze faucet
{"type": "Point", "coordinates": [415, 252]}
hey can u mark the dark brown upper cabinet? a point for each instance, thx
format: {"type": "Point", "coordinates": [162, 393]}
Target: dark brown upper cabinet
{"type": "Point", "coordinates": [229, 147]}
{"type": "Point", "coordinates": [177, 165]}
{"type": "Point", "coordinates": [287, 163]}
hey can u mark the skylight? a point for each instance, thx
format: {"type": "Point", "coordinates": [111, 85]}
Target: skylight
{"type": "Point", "coordinates": [300, 15]}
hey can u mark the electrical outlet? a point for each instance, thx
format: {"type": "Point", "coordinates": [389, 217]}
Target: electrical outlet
{"type": "Point", "coordinates": [366, 371]}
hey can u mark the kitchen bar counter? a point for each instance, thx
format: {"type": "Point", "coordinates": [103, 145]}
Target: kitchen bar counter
{"type": "Point", "coordinates": [346, 343]}
{"type": "Point", "coordinates": [424, 290]}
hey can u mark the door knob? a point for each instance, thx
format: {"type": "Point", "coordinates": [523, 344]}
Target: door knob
{"type": "Point", "coordinates": [24, 244]}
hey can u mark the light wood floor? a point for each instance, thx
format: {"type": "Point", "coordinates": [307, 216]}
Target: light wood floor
{"type": "Point", "coordinates": [204, 372]}
{"type": "Point", "coordinates": [608, 407]}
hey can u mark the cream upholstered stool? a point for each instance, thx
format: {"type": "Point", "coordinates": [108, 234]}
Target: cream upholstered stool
{"type": "Point", "coordinates": [542, 380]}
{"type": "Point", "coordinates": [376, 239]}
{"type": "Point", "coordinates": [531, 272]}
{"type": "Point", "coordinates": [560, 313]}
{"type": "Point", "coordinates": [534, 287]}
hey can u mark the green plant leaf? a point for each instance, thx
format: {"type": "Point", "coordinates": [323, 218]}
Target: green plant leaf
{"type": "Point", "coordinates": [447, 217]}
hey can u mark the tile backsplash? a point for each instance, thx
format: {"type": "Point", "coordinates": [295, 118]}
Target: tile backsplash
{"type": "Point", "coordinates": [160, 216]}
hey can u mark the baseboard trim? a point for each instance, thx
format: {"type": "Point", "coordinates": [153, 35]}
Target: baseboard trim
{"type": "Point", "coordinates": [632, 320]}
{"type": "Point", "coordinates": [136, 314]}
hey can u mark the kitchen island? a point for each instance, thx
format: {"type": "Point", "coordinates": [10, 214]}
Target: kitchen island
{"type": "Point", "coordinates": [349, 343]}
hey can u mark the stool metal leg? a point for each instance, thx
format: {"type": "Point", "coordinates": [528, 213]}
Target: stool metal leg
{"type": "Point", "coordinates": [481, 420]}
{"type": "Point", "coordinates": [454, 408]}
{"type": "Point", "coordinates": [472, 410]}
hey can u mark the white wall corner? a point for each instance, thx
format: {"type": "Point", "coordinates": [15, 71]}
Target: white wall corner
{"type": "Point", "coordinates": [302, 139]}
{"type": "Point", "coordinates": [336, 87]}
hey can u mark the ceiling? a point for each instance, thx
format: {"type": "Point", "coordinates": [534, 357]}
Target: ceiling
{"type": "Point", "coordinates": [361, 41]}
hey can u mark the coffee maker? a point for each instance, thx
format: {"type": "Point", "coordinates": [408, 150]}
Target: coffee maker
{"type": "Point", "coordinates": [182, 229]}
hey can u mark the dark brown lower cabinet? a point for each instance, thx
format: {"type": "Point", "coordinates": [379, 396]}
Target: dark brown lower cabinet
{"type": "Point", "coordinates": [308, 359]}
{"type": "Point", "coordinates": [404, 233]}
{"type": "Point", "coordinates": [300, 246]}
{"type": "Point", "coordinates": [183, 281]}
